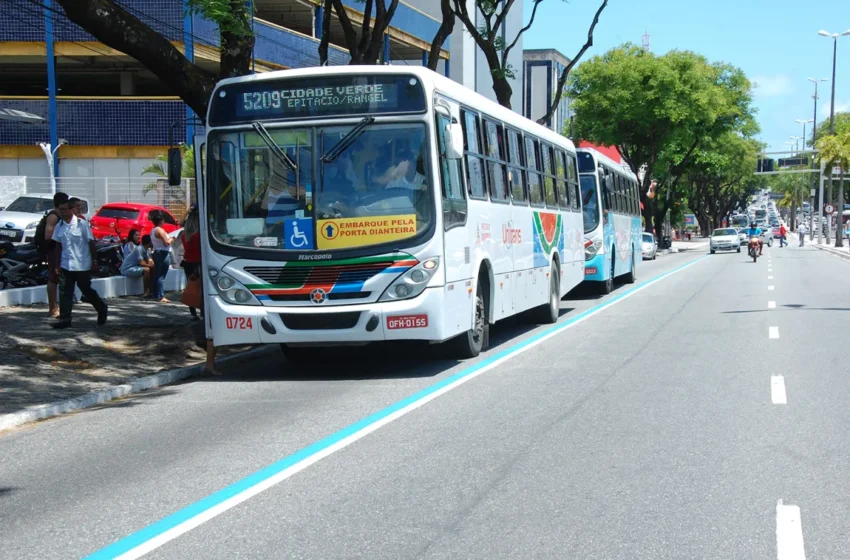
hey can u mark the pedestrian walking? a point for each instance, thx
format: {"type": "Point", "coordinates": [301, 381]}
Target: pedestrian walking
{"type": "Point", "coordinates": [161, 255]}
{"type": "Point", "coordinates": [782, 233]}
{"type": "Point", "coordinates": [191, 237]}
{"type": "Point", "coordinates": [801, 233]}
{"type": "Point", "coordinates": [47, 247]}
{"type": "Point", "coordinates": [75, 244]}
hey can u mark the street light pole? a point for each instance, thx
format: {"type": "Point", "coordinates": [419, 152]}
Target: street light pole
{"type": "Point", "coordinates": [814, 136]}
{"type": "Point", "coordinates": [50, 155]}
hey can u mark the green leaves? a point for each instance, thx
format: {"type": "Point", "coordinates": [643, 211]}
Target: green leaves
{"type": "Point", "coordinates": [222, 13]}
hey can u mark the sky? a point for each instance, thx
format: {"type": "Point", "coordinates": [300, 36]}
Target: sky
{"type": "Point", "coordinates": [775, 42]}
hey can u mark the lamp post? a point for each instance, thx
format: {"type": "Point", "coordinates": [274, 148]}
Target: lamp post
{"type": "Point", "coordinates": [834, 37]}
{"type": "Point", "coordinates": [50, 154]}
{"type": "Point", "coordinates": [814, 135]}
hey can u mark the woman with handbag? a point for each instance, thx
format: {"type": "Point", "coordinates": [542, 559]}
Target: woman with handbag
{"type": "Point", "coordinates": [192, 295]}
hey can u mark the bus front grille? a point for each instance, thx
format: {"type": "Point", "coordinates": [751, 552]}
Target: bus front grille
{"type": "Point", "coordinates": [320, 321]}
{"type": "Point", "coordinates": [331, 296]}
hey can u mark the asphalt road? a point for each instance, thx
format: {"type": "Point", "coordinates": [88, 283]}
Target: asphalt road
{"type": "Point", "coordinates": [646, 430]}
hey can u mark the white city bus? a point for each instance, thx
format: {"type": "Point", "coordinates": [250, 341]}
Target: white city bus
{"type": "Point", "coordinates": [358, 204]}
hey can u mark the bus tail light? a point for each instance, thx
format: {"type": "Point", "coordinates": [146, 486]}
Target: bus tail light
{"type": "Point", "coordinates": [413, 282]}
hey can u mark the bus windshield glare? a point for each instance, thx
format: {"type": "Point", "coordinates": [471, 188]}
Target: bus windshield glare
{"type": "Point", "coordinates": [376, 190]}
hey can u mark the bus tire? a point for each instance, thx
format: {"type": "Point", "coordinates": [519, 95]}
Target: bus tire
{"type": "Point", "coordinates": [607, 286]}
{"type": "Point", "coordinates": [631, 277]}
{"type": "Point", "coordinates": [549, 312]}
{"type": "Point", "coordinates": [470, 343]}
{"type": "Point", "coordinates": [296, 353]}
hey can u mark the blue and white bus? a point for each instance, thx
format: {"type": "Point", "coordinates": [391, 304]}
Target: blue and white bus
{"type": "Point", "coordinates": [611, 210]}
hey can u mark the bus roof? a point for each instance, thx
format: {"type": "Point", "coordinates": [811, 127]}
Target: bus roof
{"type": "Point", "coordinates": [430, 80]}
{"type": "Point", "coordinates": [602, 158]}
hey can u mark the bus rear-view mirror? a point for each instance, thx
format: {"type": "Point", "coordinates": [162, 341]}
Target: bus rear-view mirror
{"type": "Point", "coordinates": [454, 133]}
{"type": "Point", "coordinates": [175, 166]}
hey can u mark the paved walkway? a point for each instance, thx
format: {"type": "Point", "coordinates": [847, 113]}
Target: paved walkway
{"type": "Point", "coordinates": [39, 365]}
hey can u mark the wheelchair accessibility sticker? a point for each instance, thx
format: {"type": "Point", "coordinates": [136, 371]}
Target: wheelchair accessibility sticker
{"type": "Point", "coordinates": [298, 233]}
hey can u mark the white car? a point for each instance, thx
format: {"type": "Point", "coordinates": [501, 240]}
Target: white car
{"type": "Point", "coordinates": [725, 239]}
{"type": "Point", "coordinates": [19, 220]}
{"type": "Point", "coordinates": [648, 246]}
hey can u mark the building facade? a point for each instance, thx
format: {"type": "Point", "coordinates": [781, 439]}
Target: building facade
{"type": "Point", "coordinates": [112, 115]}
{"type": "Point", "coordinates": [542, 68]}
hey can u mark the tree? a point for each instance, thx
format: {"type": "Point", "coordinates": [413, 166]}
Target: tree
{"type": "Point", "coordinates": [565, 73]}
{"type": "Point", "coordinates": [835, 152]}
{"type": "Point", "coordinates": [366, 46]}
{"type": "Point", "coordinates": [656, 110]}
{"type": "Point", "coordinates": [842, 123]}
{"type": "Point", "coordinates": [175, 196]}
{"type": "Point", "coordinates": [115, 27]}
{"type": "Point", "coordinates": [447, 25]}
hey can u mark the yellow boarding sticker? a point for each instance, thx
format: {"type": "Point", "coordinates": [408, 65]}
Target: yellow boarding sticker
{"type": "Point", "coordinates": [356, 232]}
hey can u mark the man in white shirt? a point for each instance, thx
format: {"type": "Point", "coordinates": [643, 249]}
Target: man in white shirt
{"type": "Point", "coordinates": [76, 247]}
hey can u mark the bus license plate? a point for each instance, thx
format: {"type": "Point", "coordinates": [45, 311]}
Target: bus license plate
{"type": "Point", "coordinates": [407, 322]}
{"type": "Point", "coordinates": [589, 271]}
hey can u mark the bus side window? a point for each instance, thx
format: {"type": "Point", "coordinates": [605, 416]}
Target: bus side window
{"type": "Point", "coordinates": [473, 155]}
{"type": "Point", "coordinates": [495, 159]}
{"type": "Point", "coordinates": [561, 169]}
{"type": "Point", "coordinates": [548, 175]}
{"type": "Point", "coordinates": [516, 175]}
{"type": "Point", "coordinates": [572, 179]}
{"type": "Point", "coordinates": [454, 201]}
{"type": "Point", "coordinates": [535, 185]}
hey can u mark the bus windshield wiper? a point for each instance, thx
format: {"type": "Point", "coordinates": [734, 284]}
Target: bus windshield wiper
{"type": "Point", "coordinates": [347, 140]}
{"type": "Point", "coordinates": [267, 138]}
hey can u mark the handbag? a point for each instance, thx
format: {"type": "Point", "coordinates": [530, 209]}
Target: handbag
{"type": "Point", "coordinates": [192, 294]}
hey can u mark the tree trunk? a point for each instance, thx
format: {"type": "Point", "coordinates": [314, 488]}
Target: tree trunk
{"type": "Point", "coordinates": [839, 209]}
{"type": "Point", "coordinates": [502, 88]}
{"type": "Point", "coordinates": [446, 28]}
{"type": "Point", "coordinates": [237, 46]}
{"type": "Point", "coordinates": [116, 28]}
{"type": "Point", "coordinates": [647, 213]}
{"type": "Point", "coordinates": [827, 219]}
{"type": "Point", "coordinates": [326, 32]}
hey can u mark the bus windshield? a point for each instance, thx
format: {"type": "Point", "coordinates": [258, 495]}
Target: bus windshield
{"type": "Point", "coordinates": [590, 202]}
{"type": "Point", "coordinates": [290, 189]}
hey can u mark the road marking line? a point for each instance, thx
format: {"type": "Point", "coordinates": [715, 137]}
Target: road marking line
{"type": "Point", "coordinates": [789, 533]}
{"type": "Point", "coordinates": [771, 305]}
{"type": "Point", "coordinates": [773, 332]}
{"type": "Point", "coordinates": [777, 390]}
{"type": "Point", "coordinates": [770, 288]}
{"type": "Point", "coordinates": [182, 521]}
{"type": "Point", "coordinates": [770, 277]}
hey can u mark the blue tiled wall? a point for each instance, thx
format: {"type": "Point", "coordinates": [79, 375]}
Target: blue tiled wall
{"type": "Point", "coordinates": [99, 123]}
{"type": "Point", "coordinates": [21, 20]}
{"type": "Point", "coordinates": [274, 45]}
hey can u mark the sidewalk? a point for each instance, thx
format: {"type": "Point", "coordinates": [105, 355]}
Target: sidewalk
{"type": "Point", "coordinates": [40, 365]}
{"type": "Point", "coordinates": [842, 252]}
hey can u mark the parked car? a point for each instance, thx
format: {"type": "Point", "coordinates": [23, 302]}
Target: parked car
{"type": "Point", "coordinates": [119, 218]}
{"type": "Point", "coordinates": [648, 246]}
{"type": "Point", "coordinates": [19, 220]}
{"type": "Point", "coordinates": [725, 239]}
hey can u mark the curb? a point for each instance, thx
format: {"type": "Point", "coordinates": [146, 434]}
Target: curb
{"type": "Point", "coordinates": [832, 251]}
{"type": "Point", "coordinates": [45, 411]}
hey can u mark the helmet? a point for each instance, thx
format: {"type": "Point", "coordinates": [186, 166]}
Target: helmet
{"type": "Point", "coordinates": [753, 225]}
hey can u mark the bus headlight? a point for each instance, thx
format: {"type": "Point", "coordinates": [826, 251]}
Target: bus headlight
{"type": "Point", "coordinates": [413, 282]}
{"type": "Point", "coordinates": [591, 248]}
{"type": "Point", "coordinates": [231, 291]}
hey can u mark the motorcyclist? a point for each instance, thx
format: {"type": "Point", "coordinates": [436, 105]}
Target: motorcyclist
{"type": "Point", "coordinates": [756, 232]}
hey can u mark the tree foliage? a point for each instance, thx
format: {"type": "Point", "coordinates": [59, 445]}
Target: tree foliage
{"type": "Point", "coordinates": [834, 151]}
{"type": "Point", "coordinates": [842, 123]}
{"type": "Point", "coordinates": [658, 111]}
{"type": "Point", "coordinates": [116, 27]}
{"type": "Point", "coordinates": [366, 44]}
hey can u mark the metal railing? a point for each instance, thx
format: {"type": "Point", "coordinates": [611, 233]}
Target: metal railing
{"type": "Point", "coordinates": [103, 190]}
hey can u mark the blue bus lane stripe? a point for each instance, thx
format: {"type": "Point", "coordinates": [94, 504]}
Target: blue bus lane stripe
{"type": "Point", "coordinates": [158, 533]}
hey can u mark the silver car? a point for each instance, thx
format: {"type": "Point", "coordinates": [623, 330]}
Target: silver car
{"type": "Point", "coordinates": [648, 246]}
{"type": "Point", "coordinates": [725, 239]}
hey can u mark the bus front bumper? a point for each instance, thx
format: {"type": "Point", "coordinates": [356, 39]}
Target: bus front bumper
{"type": "Point", "coordinates": [594, 269]}
{"type": "Point", "coordinates": [420, 318]}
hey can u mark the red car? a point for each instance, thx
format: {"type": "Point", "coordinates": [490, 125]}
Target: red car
{"type": "Point", "coordinates": [124, 216]}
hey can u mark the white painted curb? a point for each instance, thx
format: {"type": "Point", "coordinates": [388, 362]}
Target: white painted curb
{"type": "Point", "coordinates": [42, 412]}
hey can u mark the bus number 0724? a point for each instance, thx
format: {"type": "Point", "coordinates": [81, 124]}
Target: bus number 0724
{"type": "Point", "coordinates": [239, 323]}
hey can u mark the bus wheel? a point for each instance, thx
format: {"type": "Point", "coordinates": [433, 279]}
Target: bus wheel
{"type": "Point", "coordinates": [470, 343]}
{"type": "Point", "coordinates": [296, 353]}
{"type": "Point", "coordinates": [549, 312]}
{"type": "Point", "coordinates": [632, 275]}
{"type": "Point", "coordinates": [607, 286]}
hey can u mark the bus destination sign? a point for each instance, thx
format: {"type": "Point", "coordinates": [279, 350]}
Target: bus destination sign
{"type": "Point", "coordinates": [316, 97]}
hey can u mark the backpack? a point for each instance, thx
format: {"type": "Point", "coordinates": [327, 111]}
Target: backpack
{"type": "Point", "coordinates": [41, 244]}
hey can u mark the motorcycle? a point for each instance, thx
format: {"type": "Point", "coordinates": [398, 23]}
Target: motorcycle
{"type": "Point", "coordinates": [21, 266]}
{"type": "Point", "coordinates": [108, 256]}
{"type": "Point", "coordinates": [754, 248]}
